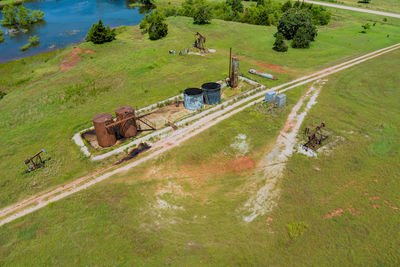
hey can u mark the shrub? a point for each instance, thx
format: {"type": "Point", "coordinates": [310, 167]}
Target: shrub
{"type": "Point", "coordinates": [296, 229]}
{"type": "Point", "coordinates": [286, 6]}
{"type": "Point", "coordinates": [1, 36]}
{"type": "Point", "coordinates": [155, 25]}
{"type": "Point", "coordinates": [34, 40]}
{"type": "Point", "coordinates": [280, 44]}
{"type": "Point", "coordinates": [37, 15]}
{"type": "Point", "coordinates": [9, 16]}
{"type": "Point", "coordinates": [202, 14]}
{"type": "Point", "coordinates": [301, 39]}
{"type": "Point", "coordinates": [292, 20]}
{"type": "Point", "coordinates": [2, 94]}
{"type": "Point", "coordinates": [99, 34]}
{"type": "Point", "coordinates": [23, 16]}
{"type": "Point", "coordinates": [236, 5]}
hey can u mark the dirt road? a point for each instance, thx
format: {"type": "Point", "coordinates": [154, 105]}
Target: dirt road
{"type": "Point", "coordinates": [39, 201]}
{"type": "Point", "coordinates": [387, 14]}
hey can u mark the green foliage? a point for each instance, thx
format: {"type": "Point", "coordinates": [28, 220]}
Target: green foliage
{"type": "Point", "coordinates": [100, 34]}
{"type": "Point", "coordinates": [2, 94]}
{"type": "Point", "coordinates": [202, 14]}
{"type": "Point", "coordinates": [9, 15]}
{"type": "Point", "coordinates": [20, 15]}
{"type": "Point", "coordinates": [34, 40]}
{"type": "Point", "coordinates": [155, 25]}
{"type": "Point", "coordinates": [236, 5]}
{"type": "Point", "coordinates": [301, 39]}
{"type": "Point", "coordinates": [365, 27]}
{"type": "Point", "coordinates": [286, 6]}
{"type": "Point", "coordinates": [293, 19]}
{"type": "Point", "coordinates": [296, 229]}
{"type": "Point", "coordinates": [1, 36]}
{"type": "Point", "coordinates": [37, 15]}
{"type": "Point", "coordinates": [280, 44]}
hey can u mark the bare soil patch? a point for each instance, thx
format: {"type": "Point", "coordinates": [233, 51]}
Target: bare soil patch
{"type": "Point", "coordinates": [73, 58]}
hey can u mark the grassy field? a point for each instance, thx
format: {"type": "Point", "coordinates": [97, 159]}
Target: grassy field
{"type": "Point", "coordinates": [184, 208]}
{"type": "Point", "coordinates": [381, 5]}
{"type": "Point", "coordinates": [44, 107]}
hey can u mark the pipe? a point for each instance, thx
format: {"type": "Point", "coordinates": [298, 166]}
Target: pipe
{"type": "Point", "coordinates": [262, 74]}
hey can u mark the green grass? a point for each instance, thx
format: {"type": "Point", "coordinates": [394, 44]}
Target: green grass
{"type": "Point", "coordinates": [44, 107]}
{"type": "Point", "coordinates": [119, 216]}
{"type": "Point", "coordinates": [392, 6]}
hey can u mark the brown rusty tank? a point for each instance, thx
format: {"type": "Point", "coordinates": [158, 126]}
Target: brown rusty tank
{"type": "Point", "coordinates": [105, 136]}
{"type": "Point", "coordinates": [127, 128]}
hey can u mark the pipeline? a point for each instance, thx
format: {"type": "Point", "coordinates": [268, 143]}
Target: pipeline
{"type": "Point", "coordinates": [262, 74]}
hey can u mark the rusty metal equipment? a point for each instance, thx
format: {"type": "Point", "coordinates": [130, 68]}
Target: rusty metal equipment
{"type": "Point", "coordinates": [34, 162]}
{"type": "Point", "coordinates": [234, 78]}
{"type": "Point", "coordinates": [315, 138]}
{"type": "Point", "coordinates": [172, 125]}
{"type": "Point", "coordinates": [127, 128]}
{"type": "Point", "coordinates": [200, 42]}
{"type": "Point", "coordinates": [104, 132]}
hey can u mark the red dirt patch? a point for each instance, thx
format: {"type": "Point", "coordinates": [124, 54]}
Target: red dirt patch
{"type": "Point", "coordinates": [240, 164]}
{"type": "Point", "coordinates": [264, 65]}
{"type": "Point", "coordinates": [334, 213]}
{"type": "Point", "coordinates": [73, 58]}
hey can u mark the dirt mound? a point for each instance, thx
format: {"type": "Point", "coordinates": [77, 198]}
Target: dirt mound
{"type": "Point", "coordinates": [73, 58]}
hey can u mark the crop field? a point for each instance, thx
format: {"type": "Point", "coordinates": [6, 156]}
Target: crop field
{"type": "Point", "coordinates": [52, 96]}
{"type": "Point", "coordinates": [186, 207]}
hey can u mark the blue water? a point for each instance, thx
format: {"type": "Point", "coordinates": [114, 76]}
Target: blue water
{"type": "Point", "coordinates": [66, 22]}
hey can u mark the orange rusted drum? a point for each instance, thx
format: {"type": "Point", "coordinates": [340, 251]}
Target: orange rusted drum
{"type": "Point", "coordinates": [105, 136]}
{"type": "Point", "coordinates": [127, 128]}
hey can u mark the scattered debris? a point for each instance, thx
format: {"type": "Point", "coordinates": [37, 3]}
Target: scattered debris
{"type": "Point", "coordinates": [34, 162]}
{"type": "Point", "coordinates": [315, 138]}
{"type": "Point", "coordinates": [241, 145]}
{"type": "Point", "coordinates": [172, 52]}
{"type": "Point", "coordinates": [262, 74]}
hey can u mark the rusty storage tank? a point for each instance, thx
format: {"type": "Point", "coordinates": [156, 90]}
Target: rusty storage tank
{"type": "Point", "coordinates": [127, 128]}
{"type": "Point", "coordinates": [212, 93]}
{"type": "Point", "coordinates": [105, 136]}
{"type": "Point", "coordinates": [193, 98]}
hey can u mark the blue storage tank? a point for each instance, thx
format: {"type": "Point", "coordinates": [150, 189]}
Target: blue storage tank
{"type": "Point", "coordinates": [280, 100]}
{"type": "Point", "coordinates": [212, 93]}
{"type": "Point", "coordinates": [193, 98]}
{"type": "Point", "coordinates": [270, 96]}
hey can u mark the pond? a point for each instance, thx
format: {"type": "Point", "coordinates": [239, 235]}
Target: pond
{"type": "Point", "coordinates": [66, 22]}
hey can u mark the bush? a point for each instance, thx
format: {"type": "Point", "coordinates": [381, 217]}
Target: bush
{"type": "Point", "coordinates": [9, 16]}
{"type": "Point", "coordinates": [155, 25]}
{"type": "Point", "coordinates": [236, 5]}
{"type": "Point", "coordinates": [202, 14]}
{"type": "Point", "coordinates": [34, 40]}
{"type": "Point", "coordinates": [296, 229]}
{"type": "Point", "coordinates": [301, 39]}
{"type": "Point", "coordinates": [1, 36]}
{"type": "Point", "coordinates": [99, 34]}
{"type": "Point", "coordinates": [37, 15]}
{"type": "Point", "coordinates": [280, 44]}
{"type": "Point", "coordinates": [292, 20]}
{"type": "Point", "coordinates": [2, 94]}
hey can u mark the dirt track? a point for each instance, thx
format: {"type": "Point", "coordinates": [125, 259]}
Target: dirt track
{"type": "Point", "coordinates": [363, 10]}
{"type": "Point", "coordinates": [39, 201]}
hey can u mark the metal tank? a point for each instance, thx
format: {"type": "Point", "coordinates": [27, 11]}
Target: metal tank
{"type": "Point", "coordinates": [234, 79]}
{"type": "Point", "coordinates": [280, 100]}
{"type": "Point", "coordinates": [212, 93]}
{"type": "Point", "coordinates": [193, 98]}
{"type": "Point", "coordinates": [105, 135]}
{"type": "Point", "coordinates": [127, 128]}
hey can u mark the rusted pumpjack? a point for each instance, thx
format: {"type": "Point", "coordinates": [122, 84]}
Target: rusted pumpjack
{"type": "Point", "coordinates": [200, 42]}
{"type": "Point", "coordinates": [315, 138]}
{"type": "Point", "coordinates": [34, 162]}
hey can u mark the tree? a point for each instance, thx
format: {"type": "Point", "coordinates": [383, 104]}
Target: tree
{"type": "Point", "coordinates": [286, 6]}
{"type": "Point", "coordinates": [280, 44]}
{"type": "Point", "coordinates": [34, 40]}
{"type": "Point", "coordinates": [293, 19]}
{"type": "Point", "coordinates": [202, 14]}
{"type": "Point", "coordinates": [99, 34]}
{"type": "Point", "coordinates": [9, 16]}
{"type": "Point", "coordinates": [301, 39]}
{"type": "Point", "coordinates": [236, 5]}
{"type": "Point", "coordinates": [155, 25]}
{"type": "Point", "coordinates": [37, 15]}
{"type": "Point", "coordinates": [23, 16]}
